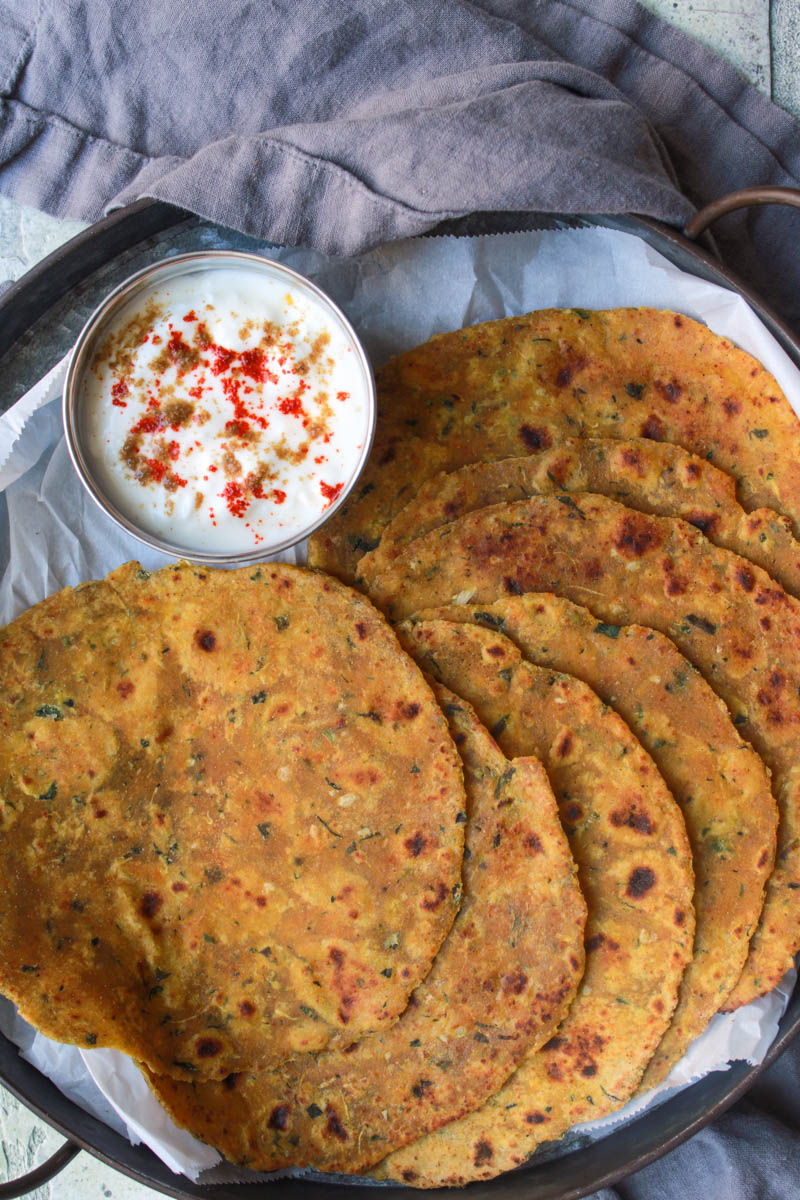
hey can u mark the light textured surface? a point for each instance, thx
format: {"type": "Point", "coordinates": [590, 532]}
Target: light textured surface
{"type": "Point", "coordinates": [27, 235]}
{"type": "Point", "coordinates": [762, 38]}
{"type": "Point", "coordinates": [737, 29]}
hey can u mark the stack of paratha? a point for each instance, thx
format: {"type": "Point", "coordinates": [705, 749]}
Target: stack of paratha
{"type": "Point", "coordinates": [614, 495]}
{"type": "Point", "coordinates": [237, 826]}
{"type": "Point", "coordinates": [412, 903]}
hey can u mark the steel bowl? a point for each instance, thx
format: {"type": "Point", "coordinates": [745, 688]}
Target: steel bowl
{"type": "Point", "coordinates": [91, 336]}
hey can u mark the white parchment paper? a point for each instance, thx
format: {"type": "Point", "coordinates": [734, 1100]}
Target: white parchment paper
{"type": "Point", "coordinates": [396, 297]}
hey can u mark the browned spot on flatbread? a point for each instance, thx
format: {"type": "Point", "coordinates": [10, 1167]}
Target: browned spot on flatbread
{"type": "Point", "coordinates": [484, 1152]}
{"type": "Point", "coordinates": [636, 535]}
{"type": "Point", "coordinates": [279, 1117]}
{"type": "Point", "coordinates": [333, 1126]}
{"type": "Point", "coordinates": [634, 817]}
{"type": "Point", "coordinates": [515, 983]}
{"type": "Point", "coordinates": [415, 845]}
{"type": "Point", "coordinates": [565, 745]}
{"type": "Point", "coordinates": [149, 904]}
{"type": "Point", "coordinates": [431, 903]}
{"type": "Point", "coordinates": [653, 428]}
{"type": "Point", "coordinates": [641, 880]}
{"type": "Point", "coordinates": [671, 392]}
{"type": "Point", "coordinates": [535, 437]}
{"type": "Point", "coordinates": [208, 1047]}
{"type": "Point", "coordinates": [707, 523]}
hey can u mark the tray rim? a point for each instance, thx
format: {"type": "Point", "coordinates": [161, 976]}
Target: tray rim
{"type": "Point", "coordinates": [26, 302]}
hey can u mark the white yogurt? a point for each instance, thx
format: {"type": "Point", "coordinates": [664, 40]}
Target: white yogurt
{"type": "Point", "coordinates": [224, 411]}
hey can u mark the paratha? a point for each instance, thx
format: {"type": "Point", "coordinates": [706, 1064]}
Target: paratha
{"type": "Point", "coordinates": [655, 477]}
{"type": "Point", "coordinates": [525, 383]}
{"type": "Point", "coordinates": [727, 616]}
{"type": "Point", "coordinates": [230, 817]}
{"type": "Point", "coordinates": [634, 864]}
{"type": "Point", "coordinates": [719, 781]}
{"type": "Point", "coordinates": [501, 982]}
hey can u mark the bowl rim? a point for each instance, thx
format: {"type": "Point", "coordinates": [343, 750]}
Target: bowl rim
{"type": "Point", "coordinates": [174, 266]}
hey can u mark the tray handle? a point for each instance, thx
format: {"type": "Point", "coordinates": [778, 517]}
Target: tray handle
{"type": "Point", "coordinates": [741, 199]}
{"type": "Point", "coordinates": [40, 1174]}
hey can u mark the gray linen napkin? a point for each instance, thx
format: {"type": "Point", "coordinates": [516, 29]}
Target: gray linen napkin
{"type": "Point", "coordinates": [346, 123]}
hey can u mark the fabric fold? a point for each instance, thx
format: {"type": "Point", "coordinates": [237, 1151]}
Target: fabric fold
{"type": "Point", "coordinates": [344, 124]}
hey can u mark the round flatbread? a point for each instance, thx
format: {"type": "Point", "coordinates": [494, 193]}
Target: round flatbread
{"type": "Point", "coordinates": [654, 477]}
{"type": "Point", "coordinates": [525, 383]}
{"type": "Point", "coordinates": [727, 616]}
{"type": "Point", "coordinates": [720, 783]}
{"type": "Point", "coordinates": [501, 983]}
{"type": "Point", "coordinates": [629, 840]}
{"type": "Point", "coordinates": [213, 785]}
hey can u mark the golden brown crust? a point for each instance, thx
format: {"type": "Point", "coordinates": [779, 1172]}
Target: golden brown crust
{"type": "Point", "coordinates": [726, 615]}
{"type": "Point", "coordinates": [654, 477]}
{"type": "Point", "coordinates": [638, 882]}
{"type": "Point", "coordinates": [525, 383]}
{"type": "Point", "coordinates": [203, 855]}
{"type": "Point", "coordinates": [501, 983]}
{"type": "Point", "coordinates": [719, 781]}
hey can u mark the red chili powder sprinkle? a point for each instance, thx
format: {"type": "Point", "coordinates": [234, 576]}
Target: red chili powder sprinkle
{"type": "Point", "coordinates": [247, 419]}
{"type": "Point", "coordinates": [222, 359]}
{"type": "Point", "coordinates": [235, 498]}
{"type": "Point", "coordinates": [330, 493]}
{"type": "Point", "coordinates": [179, 352]}
{"type": "Point", "coordinates": [119, 390]}
{"type": "Point", "coordinates": [157, 469]}
{"type": "Point", "coordinates": [292, 406]}
{"type": "Point", "coordinates": [150, 423]}
{"type": "Point", "coordinates": [254, 365]}
{"type": "Point", "coordinates": [231, 388]}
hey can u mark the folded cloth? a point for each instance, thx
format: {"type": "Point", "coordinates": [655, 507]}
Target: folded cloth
{"type": "Point", "coordinates": [345, 123]}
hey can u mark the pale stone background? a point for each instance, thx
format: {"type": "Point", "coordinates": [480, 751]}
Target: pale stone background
{"type": "Point", "coordinates": [762, 39]}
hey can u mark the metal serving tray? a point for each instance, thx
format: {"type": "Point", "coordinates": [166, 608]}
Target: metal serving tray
{"type": "Point", "coordinates": [42, 314]}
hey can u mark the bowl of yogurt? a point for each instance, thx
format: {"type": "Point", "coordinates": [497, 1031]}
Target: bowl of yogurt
{"type": "Point", "coordinates": [219, 406]}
